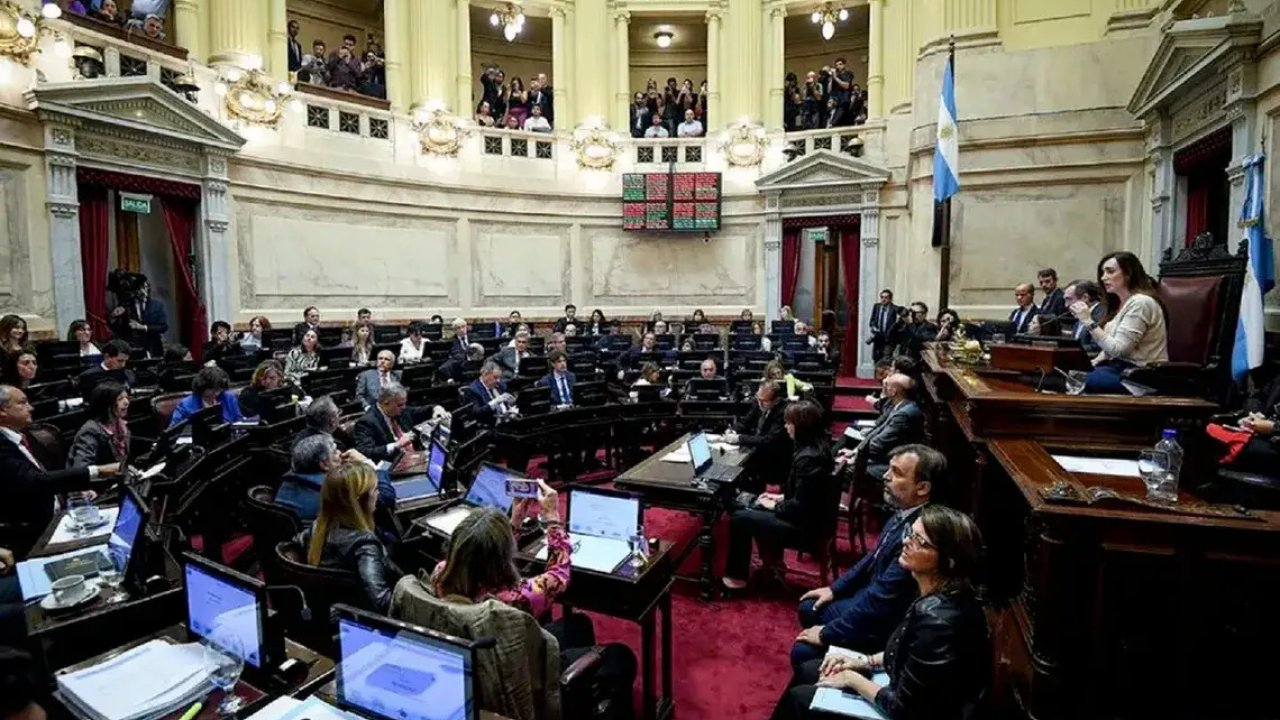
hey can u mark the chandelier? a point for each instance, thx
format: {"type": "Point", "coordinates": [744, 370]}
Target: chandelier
{"type": "Point", "coordinates": [510, 18]}
{"type": "Point", "coordinates": [20, 31]}
{"type": "Point", "coordinates": [827, 16]}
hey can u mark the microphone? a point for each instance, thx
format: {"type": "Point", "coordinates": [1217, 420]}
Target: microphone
{"type": "Point", "coordinates": [305, 611]}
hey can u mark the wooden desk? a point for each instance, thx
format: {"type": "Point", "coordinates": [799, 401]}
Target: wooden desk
{"type": "Point", "coordinates": [672, 485]}
{"type": "Point", "coordinates": [1124, 611]}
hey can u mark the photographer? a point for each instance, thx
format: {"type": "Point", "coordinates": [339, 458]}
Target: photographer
{"type": "Point", "coordinates": [814, 101]}
{"type": "Point", "coordinates": [137, 319]}
{"type": "Point", "coordinates": [345, 70]}
{"type": "Point", "coordinates": [373, 76]}
{"type": "Point", "coordinates": [791, 101]}
{"type": "Point", "coordinates": [842, 90]}
{"type": "Point", "coordinates": [314, 70]}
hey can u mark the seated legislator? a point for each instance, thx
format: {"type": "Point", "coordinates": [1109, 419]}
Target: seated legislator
{"type": "Point", "coordinates": [1055, 298]}
{"type": "Point", "coordinates": [647, 349]}
{"type": "Point", "coordinates": [115, 356]}
{"type": "Point", "coordinates": [208, 388]}
{"type": "Point", "coordinates": [488, 394]}
{"type": "Point", "coordinates": [310, 321]}
{"type": "Point", "coordinates": [555, 341]}
{"type": "Point", "coordinates": [311, 460]}
{"type": "Point", "coordinates": [830, 355]}
{"type": "Point", "coordinates": [861, 607]}
{"type": "Point", "coordinates": [322, 417]}
{"type": "Point", "coordinates": [508, 358]}
{"type": "Point", "coordinates": [29, 487]}
{"type": "Point", "coordinates": [412, 347]}
{"type": "Point", "coordinates": [774, 370]}
{"type": "Point", "coordinates": [597, 325]}
{"type": "Point", "coordinates": [380, 432]}
{"type": "Point", "coordinates": [1261, 453]}
{"type": "Point", "coordinates": [343, 536]}
{"type": "Point", "coordinates": [707, 371]}
{"type": "Point", "coordinates": [1085, 291]}
{"type": "Point", "coordinates": [370, 382]}
{"type": "Point", "coordinates": [559, 380]}
{"type": "Point", "coordinates": [269, 375]}
{"type": "Point", "coordinates": [1135, 334]}
{"type": "Point", "coordinates": [251, 339]}
{"type": "Point", "coordinates": [1021, 316]}
{"type": "Point", "coordinates": [763, 430]}
{"type": "Point", "coordinates": [362, 344]}
{"type": "Point", "coordinates": [303, 358]}
{"type": "Point", "coordinates": [801, 515]}
{"type": "Point", "coordinates": [458, 348]}
{"type": "Point", "coordinates": [938, 659]}
{"type": "Point", "coordinates": [454, 370]}
{"type": "Point", "coordinates": [220, 344]}
{"type": "Point", "coordinates": [20, 368]}
{"type": "Point", "coordinates": [901, 422]}
{"type": "Point", "coordinates": [104, 437]}
{"type": "Point", "coordinates": [81, 332]}
{"type": "Point", "coordinates": [570, 318]}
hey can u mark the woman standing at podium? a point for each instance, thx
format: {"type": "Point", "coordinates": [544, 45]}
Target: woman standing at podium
{"type": "Point", "coordinates": [1133, 334]}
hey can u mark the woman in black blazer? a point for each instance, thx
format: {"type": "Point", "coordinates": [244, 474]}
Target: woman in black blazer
{"type": "Point", "coordinates": [802, 514]}
{"type": "Point", "coordinates": [104, 437]}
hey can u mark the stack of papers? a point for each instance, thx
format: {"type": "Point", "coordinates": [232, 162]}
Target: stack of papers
{"type": "Point", "coordinates": [149, 681]}
{"type": "Point", "coordinates": [313, 708]}
{"type": "Point", "coordinates": [1098, 466]}
{"type": "Point", "coordinates": [679, 455]}
{"type": "Point", "coordinates": [64, 533]}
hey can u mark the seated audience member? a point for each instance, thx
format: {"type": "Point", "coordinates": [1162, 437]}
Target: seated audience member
{"type": "Point", "coordinates": [515, 321]}
{"type": "Point", "coordinates": [488, 394]}
{"type": "Point", "coordinates": [115, 356]}
{"type": "Point", "coordinates": [21, 684]}
{"type": "Point", "coordinates": [380, 432]}
{"type": "Point", "coordinates": [597, 325]}
{"type": "Point", "coordinates": [104, 437]}
{"type": "Point", "coordinates": [269, 375]}
{"type": "Point", "coordinates": [648, 348]}
{"type": "Point", "coordinates": [220, 344]}
{"type": "Point", "coordinates": [29, 488]}
{"type": "Point", "coordinates": [707, 371]}
{"type": "Point", "coordinates": [900, 423]}
{"type": "Point", "coordinates": [362, 344]}
{"type": "Point", "coordinates": [1055, 300]}
{"type": "Point", "coordinates": [311, 460]}
{"type": "Point", "coordinates": [412, 347]}
{"type": "Point", "coordinates": [776, 371]}
{"type": "Point", "coordinates": [322, 418]}
{"type": "Point", "coordinates": [20, 368]}
{"type": "Point", "coordinates": [764, 430]}
{"type": "Point", "coordinates": [650, 374]}
{"type": "Point", "coordinates": [698, 318]}
{"type": "Point", "coordinates": [209, 388]}
{"type": "Point", "coordinates": [556, 340]}
{"type": "Point", "coordinates": [536, 122]}
{"type": "Point", "coordinates": [518, 328]}
{"type": "Point", "coordinates": [310, 321]}
{"type": "Point", "coordinates": [1135, 334]}
{"type": "Point", "coordinates": [508, 358]}
{"type": "Point", "coordinates": [802, 516]}
{"type": "Point", "coordinates": [343, 535]}
{"type": "Point", "coordinates": [830, 355]}
{"type": "Point", "coordinates": [481, 564]}
{"type": "Point", "coordinates": [484, 114]}
{"type": "Point", "coordinates": [1021, 316]}
{"type": "Point", "coordinates": [460, 344]}
{"type": "Point", "coordinates": [661, 328]}
{"type": "Point", "coordinates": [861, 607]}
{"type": "Point", "coordinates": [948, 322]}
{"type": "Point", "coordinates": [371, 382]}
{"type": "Point", "coordinates": [746, 314]}
{"type": "Point", "coordinates": [454, 370]}
{"type": "Point", "coordinates": [364, 315]}
{"type": "Point", "coordinates": [81, 332]}
{"type": "Point", "coordinates": [251, 340]}
{"type": "Point", "coordinates": [688, 345]}
{"type": "Point", "coordinates": [938, 659]}
{"type": "Point", "coordinates": [802, 330]}
{"type": "Point", "coordinates": [570, 316]}
{"type": "Point", "coordinates": [559, 380]}
{"type": "Point", "coordinates": [656, 128]}
{"type": "Point", "coordinates": [304, 358]}
{"type": "Point", "coordinates": [13, 333]}
{"type": "Point", "coordinates": [691, 127]}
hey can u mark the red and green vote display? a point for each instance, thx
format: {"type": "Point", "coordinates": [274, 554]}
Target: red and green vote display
{"type": "Point", "coordinates": [678, 202]}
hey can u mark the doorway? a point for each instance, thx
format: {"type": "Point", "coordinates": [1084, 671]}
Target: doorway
{"type": "Point", "coordinates": [825, 292]}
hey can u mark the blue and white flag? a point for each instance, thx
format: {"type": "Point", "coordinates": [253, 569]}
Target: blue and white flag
{"type": "Point", "coordinates": [1259, 277]}
{"type": "Point", "coordinates": [946, 154]}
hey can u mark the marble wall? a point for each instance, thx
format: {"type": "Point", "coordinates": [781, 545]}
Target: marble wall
{"type": "Point", "coordinates": [26, 272]}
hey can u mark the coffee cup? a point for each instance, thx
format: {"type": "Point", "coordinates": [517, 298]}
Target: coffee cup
{"type": "Point", "coordinates": [69, 590]}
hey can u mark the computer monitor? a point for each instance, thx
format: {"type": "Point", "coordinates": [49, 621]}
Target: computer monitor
{"type": "Point", "coordinates": [605, 513]}
{"type": "Point", "coordinates": [122, 545]}
{"type": "Point", "coordinates": [782, 327]}
{"type": "Point", "coordinates": [741, 327]}
{"type": "Point", "coordinates": [335, 357]}
{"type": "Point", "coordinates": [709, 389]}
{"type": "Point", "coordinates": [222, 604]}
{"type": "Point", "coordinates": [699, 452]}
{"type": "Point", "coordinates": [387, 334]}
{"type": "Point", "coordinates": [489, 489]}
{"type": "Point", "coordinates": [390, 670]}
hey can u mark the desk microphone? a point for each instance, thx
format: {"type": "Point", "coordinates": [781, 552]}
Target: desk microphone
{"type": "Point", "coordinates": [305, 611]}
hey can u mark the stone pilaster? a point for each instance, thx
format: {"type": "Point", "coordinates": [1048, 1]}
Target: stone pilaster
{"type": "Point", "coordinates": [63, 207]}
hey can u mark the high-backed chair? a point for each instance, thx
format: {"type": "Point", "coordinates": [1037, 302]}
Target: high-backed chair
{"type": "Point", "coordinates": [162, 407]}
{"type": "Point", "coordinates": [322, 588]}
{"type": "Point", "coordinates": [1200, 289]}
{"type": "Point", "coordinates": [270, 524]}
{"type": "Point", "coordinates": [48, 445]}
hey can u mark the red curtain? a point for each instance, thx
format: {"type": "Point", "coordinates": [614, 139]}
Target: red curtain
{"type": "Point", "coordinates": [180, 217]}
{"type": "Point", "coordinates": [850, 254]}
{"type": "Point", "coordinates": [1197, 208]}
{"type": "Point", "coordinates": [790, 265]}
{"type": "Point", "coordinates": [95, 252]}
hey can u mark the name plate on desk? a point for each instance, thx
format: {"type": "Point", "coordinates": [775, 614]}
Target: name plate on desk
{"type": "Point", "coordinates": [1035, 358]}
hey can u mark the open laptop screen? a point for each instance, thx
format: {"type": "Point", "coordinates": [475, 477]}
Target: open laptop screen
{"type": "Point", "coordinates": [435, 463]}
{"type": "Point", "coordinates": [220, 607]}
{"type": "Point", "coordinates": [392, 673]}
{"type": "Point", "coordinates": [490, 488]}
{"type": "Point", "coordinates": [124, 534]}
{"type": "Point", "coordinates": [604, 515]}
{"type": "Point", "coordinates": [699, 451]}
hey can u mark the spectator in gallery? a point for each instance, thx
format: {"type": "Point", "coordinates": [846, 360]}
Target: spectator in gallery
{"type": "Point", "coordinates": [108, 12]}
{"type": "Point", "coordinates": [314, 68]}
{"type": "Point", "coordinates": [690, 127]}
{"type": "Point", "coordinates": [656, 128]}
{"type": "Point", "coordinates": [295, 47]}
{"type": "Point", "coordinates": [541, 94]}
{"type": "Point", "coordinates": [639, 116]}
{"type": "Point", "coordinates": [373, 75]}
{"type": "Point", "coordinates": [518, 101]}
{"type": "Point", "coordinates": [344, 69]}
{"type": "Point", "coordinates": [484, 114]}
{"type": "Point", "coordinates": [512, 123]}
{"type": "Point", "coordinates": [536, 122]}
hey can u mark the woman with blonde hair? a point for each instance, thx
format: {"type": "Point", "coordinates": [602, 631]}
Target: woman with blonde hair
{"type": "Point", "coordinates": [343, 536]}
{"type": "Point", "coordinates": [775, 370]}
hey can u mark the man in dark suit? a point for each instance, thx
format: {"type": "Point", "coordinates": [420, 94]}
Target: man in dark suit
{"type": "Point", "coordinates": [560, 380]}
{"type": "Point", "coordinates": [541, 94]}
{"type": "Point", "coordinates": [883, 317]}
{"type": "Point", "coordinates": [570, 318]}
{"type": "Point", "coordinates": [115, 358]}
{"type": "Point", "coordinates": [459, 349]}
{"type": "Point", "coordinates": [1086, 291]}
{"type": "Point", "coordinates": [381, 432]}
{"type": "Point", "coordinates": [901, 422]}
{"type": "Point", "coordinates": [28, 486]}
{"type": "Point", "coordinates": [508, 358]}
{"type": "Point", "coordinates": [323, 418]}
{"type": "Point", "coordinates": [369, 384]}
{"type": "Point", "coordinates": [707, 371]}
{"type": "Point", "coordinates": [1021, 316]}
{"type": "Point", "coordinates": [1055, 303]}
{"type": "Point", "coordinates": [909, 338]}
{"type": "Point", "coordinates": [295, 48]}
{"type": "Point", "coordinates": [488, 394]}
{"type": "Point", "coordinates": [454, 370]}
{"type": "Point", "coordinates": [764, 431]}
{"type": "Point", "coordinates": [310, 321]}
{"type": "Point", "coordinates": [861, 608]}
{"type": "Point", "coordinates": [141, 323]}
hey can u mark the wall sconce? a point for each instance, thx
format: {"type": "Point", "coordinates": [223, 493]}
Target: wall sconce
{"type": "Point", "coordinates": [439, 133]}
{"type": "Point", "coordinates": [252, 96]}
{"type": "Point", "coordinates": [20, 31]}
{"type": "Point", "coordinates": [744, 144]}
{"type": "Point", "coordinates": [595, 146]}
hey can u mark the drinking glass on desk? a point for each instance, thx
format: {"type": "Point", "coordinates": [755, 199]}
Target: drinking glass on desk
{"type": "Point", "coordinates": [1153, 466]}
{"type": "Point", "coordinates": [1076, 382]}
{"type": "Point", "coordinates": [83, 513]}
{"type": "Point", "coordinates": [113, 579]}
{"type": "Point", "coordinates": [224, 654]}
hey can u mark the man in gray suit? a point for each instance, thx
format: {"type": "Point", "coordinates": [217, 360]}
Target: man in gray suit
{"type": "Point", "coordinates": [901, 423]}
{"type": "Point", "coordinates": [509, 357]}
{"type": "Point", "coordinates": [370, 382]}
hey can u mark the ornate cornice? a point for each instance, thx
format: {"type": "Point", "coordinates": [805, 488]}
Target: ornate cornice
{"type": "Point", "coordinates": [64, 209]}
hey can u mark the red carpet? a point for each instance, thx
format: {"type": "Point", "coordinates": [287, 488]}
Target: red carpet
{"type": "Point", "coordinates": [849, 381]}
{"type": "Point", "coordinates": [852, 403]}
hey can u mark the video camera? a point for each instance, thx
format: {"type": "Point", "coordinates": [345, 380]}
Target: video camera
{"type": "Point", "coordinates": [129, 287]}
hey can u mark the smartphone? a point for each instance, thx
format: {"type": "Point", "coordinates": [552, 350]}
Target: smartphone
{"type": "Point", "coordinates": [522, 488]}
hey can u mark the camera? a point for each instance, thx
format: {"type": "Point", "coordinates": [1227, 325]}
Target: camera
{"type": "Point", "coordinates": [129, 287]}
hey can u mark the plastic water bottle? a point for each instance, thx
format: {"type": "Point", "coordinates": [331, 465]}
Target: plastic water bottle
{"type": "Point", "coordinates": [1173, 450]}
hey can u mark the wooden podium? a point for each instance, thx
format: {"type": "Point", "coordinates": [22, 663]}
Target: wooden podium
{"type": "Point", "coordinates": [1044, 358]}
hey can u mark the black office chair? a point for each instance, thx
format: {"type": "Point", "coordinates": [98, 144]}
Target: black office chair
{"type": "Point", "coordinates": [322, 588]}
{"type": "Point", "coordinates": [270, 524]}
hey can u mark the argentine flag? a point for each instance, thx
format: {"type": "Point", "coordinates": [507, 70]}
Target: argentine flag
{"type": "Point", "coordinates": [1259, 277]}
{"type": "Point", "coordinates": [946, 166]}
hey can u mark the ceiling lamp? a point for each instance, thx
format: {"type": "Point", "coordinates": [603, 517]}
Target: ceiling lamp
{"type": "Point", "coordinates": [827, 16]}
{"type": "Point", "coordinates": [20, 32]}
{"type": "Point", "coordinates": [510, 19]}
{"type": "Point", "coordinates": [663, 38]}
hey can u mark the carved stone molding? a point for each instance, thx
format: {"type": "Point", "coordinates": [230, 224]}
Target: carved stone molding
{"type": "Point", "coordinates": [870, 241]}
{"type": "Point", "coordinates": [64, 209]}
{"type": "Point", "coordinates": [772, 244]}
{"type": "Point", "coordinates": [61, 137]}
{"type": "Point", "coordinates": [61, 160]}
{"type": "Point", "coordinates": [217, 226]}
{"type": "Point", "coordinates": [130, 153]}
{"type": "Point", "coordinates": [1202, 113]}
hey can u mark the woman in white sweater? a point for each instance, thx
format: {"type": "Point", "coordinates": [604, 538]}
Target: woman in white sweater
{"type": "Point", "coordinates": [1134, 333]}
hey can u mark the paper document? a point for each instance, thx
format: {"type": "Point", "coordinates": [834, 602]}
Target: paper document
{"type": "Point", "coordinates": [845, 652]}
{"type": "Point", "coordinates": [148, 680]}
{"type": "Point", "coordinates": [63, 533]}
{"type": "Point", "coordinates": [153, 471]}
{"type": "Point", "coordinates": [276, 709]}
{"type": "Point", "coordinates": [313, 708]}
{"type": "Point", "coordinates": [848, 703]}
{"type": "Point", "coordinates": [679, 455]}
{"type": "Point", "coordinates": [449, 520]}
{"type": "Point", "coordinates": [853, 433]}
{"type": "Point", "coordinates": [1098, 466]}
{"type": "Point", "coordinates": [864, 424]}
{"type": "Point", "coordinates": [35, 582]}
{"type": "Point", "coordinates": [594, 553]}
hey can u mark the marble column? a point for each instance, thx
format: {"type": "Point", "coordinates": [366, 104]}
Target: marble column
{"type": "Point", "coordinates": [237, 32]}
{"type": "Point", "coordinates": [590, 72]}
{"type": "Point", "coordinates": [774, 65]}
{"type": "Point", "coordinates": [622, 60]}
{"type": "Point", "coordinates": [744, 44]}
{"type": "Point", "coordinates": [713, 119]}
{"type": "Point", "coordinates": [1163, 188]}
{"type": "Point", "coordinates": [772, 262]}
{"type": "Point", "coordinates": [1241, 112]}
{"type": "Point", "coordinates": [63, 208]}
{"type": "Point", "coordinates": [394, 43]}
{"type": "Point", "coordinates": [561, 99]}
{"type": "Point", "coordinates": [875, 61]}
{"type": "Point", "coordinates": [277, 62]}
{"type": "Point", "coordinates": [213, 241]}
{"type": "Point", "coordinates": [462, 80]}
{"type": "Point", "coordinates": [868, 286]}
{"type": "Point", "coordinates": [187, 29]}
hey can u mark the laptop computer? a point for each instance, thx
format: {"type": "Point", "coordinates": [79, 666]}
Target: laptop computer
{"type": "Point", "coordinates": [489, 489]}
{"type": "Point", "coordinates": [426, 484]}
{"type": "Point", "coordinates": [704, 468]}
{"type": "Point", "coordinates": [602, 524]}
{"type": "Point", "coordinates": [223, 604]}
{"type": "Point", "coordinates": [117, 552]}
{"type": "Point", "coordinates": [390, 670]}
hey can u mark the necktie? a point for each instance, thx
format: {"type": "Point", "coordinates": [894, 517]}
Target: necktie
{"type": "Point", "coordinates": [564, 391]}
{"type": "Point", "coordinates": [395, 428]}
{"type": "Point", "coordinates": [760, 425]}
{"type": "Point", "coordinates": [384, 380]}
{"type": "Point", "coordinates": [26, 445]}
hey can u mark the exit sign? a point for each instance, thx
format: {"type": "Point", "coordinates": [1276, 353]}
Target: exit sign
{"type": "Point", "coordinates": [134, 203]}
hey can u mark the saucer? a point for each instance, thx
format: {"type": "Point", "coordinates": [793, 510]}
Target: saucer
{"type": "Point", "coordinates": [49, 604]}
{"type": "Point", "coordinates": [88, 527]}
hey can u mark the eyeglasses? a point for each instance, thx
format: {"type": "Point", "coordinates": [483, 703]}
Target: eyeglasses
{"type": "Point", "coordinates": [914, 540]}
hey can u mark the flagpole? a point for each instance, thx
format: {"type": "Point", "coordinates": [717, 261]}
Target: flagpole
{"type": "Point", "coordinates": [944, 279]}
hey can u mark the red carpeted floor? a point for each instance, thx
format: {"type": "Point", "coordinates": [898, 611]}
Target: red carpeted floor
{"type": "Point", "coordinates": [852, 403]}
{"type": "Point", "coordinates": [849, 381]}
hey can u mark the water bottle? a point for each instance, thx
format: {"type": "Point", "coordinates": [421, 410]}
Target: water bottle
{"type": "Point", "coordinates": [639, 548]}
{"type": "Point", "coordinates": [1169, 446]}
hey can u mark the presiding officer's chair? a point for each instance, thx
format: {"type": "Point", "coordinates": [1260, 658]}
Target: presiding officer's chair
{"type": "Point", "coordinates": [1200, 289]}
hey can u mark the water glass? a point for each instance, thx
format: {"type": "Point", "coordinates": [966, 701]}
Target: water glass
{"type": "Point", "coordinates": [112, 578]}
{"type": "Point", "coordinates": [224, 654]}
{"type": "Point", "coordinates": [1076, 381]}
{"type": "Point", "coordinates": [1153, 466]}
{"type": "Point", "coordinates": [83, 513]}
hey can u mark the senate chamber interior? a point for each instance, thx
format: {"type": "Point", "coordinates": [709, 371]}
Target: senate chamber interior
{"type": "Point", "coordinates": [639, 359]}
